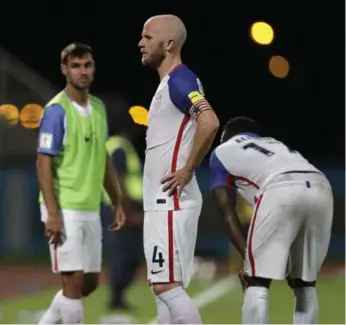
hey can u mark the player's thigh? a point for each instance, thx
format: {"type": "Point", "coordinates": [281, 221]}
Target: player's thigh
{"type": "Point", "coordinates": [67, 257]}
{"type": "Point", "coordinates": [271, 233]}
{"type": "Point", "coordinates": [92, 248]}
{"type": "Point", "coordinates": [185, 226]}
{"type": "Point", "coordinates": [169, 244]}
{"type": "Point", "coordinates": [158, 244]}
{"type": "Point", "coordinates": [311, 245]}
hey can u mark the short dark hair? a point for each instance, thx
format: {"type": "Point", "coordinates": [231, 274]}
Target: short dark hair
{"type": "Point", "coordinates": [238, 125]}
{"type": "Point", "coordinates": [75, 50]}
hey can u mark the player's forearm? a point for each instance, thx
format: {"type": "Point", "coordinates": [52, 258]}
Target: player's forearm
{"type": "Point", "coordinates": [203, 140]}
{"type": "Point", "coordinates": [126, 201]}
{"type": "Point", "coordinates": [111, 183]}
{"type": "Point", "coordinates": [226, 202]}
{"type": "Point", "coordinates": [46, 183]}
{"type": "Point", "coordinates": [235, 231]}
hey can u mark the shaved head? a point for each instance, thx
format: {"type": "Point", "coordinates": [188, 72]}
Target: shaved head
{"type": "Point", "coordinates": [162, 36]}
{"type": "Point", "coordinates": [171, 27]}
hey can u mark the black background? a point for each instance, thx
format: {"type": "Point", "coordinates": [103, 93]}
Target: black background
{"type": "Point", "coordinates": [305, 110]}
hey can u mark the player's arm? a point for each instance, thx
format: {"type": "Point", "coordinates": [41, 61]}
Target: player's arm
{"type": "Point", "coordinates": [225, 197]}
{"type": "Point", "coordinates": [111, 183]}
{"type": "Point", "coordinates": [187, 98]}
{"type": "Point", "coordinates": [207, 126]}
{"type": "Point", "coordinates": [119, 163]}
{"type": "Point", "coordinates": [112, 187]}
{"type": "Point", "coordinates": [51, 136]}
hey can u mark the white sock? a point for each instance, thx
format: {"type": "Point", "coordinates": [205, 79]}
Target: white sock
{"type": "Point", "coordinates": [255, 306]}
{"type": "Point", "coordinates": [53, 315]}
{"type": "Point", "coordinates": [306, 306]}
{"type": "Point", "coordinates": [163, 314]}
{"type": "Point", "coordinates": [181, 307]}
{"type": "Point", "coordinates": [71, 310]}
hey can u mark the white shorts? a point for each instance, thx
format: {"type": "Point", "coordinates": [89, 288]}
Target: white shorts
{"type": "Point", "coordinates": [290, 231]}
{"type": "Point", "coordinates": [82, 246]}
{"type": "Point", "coordinates": [169, 244]}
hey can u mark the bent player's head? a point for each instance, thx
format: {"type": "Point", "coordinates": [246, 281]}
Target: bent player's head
{"type": "Point", "coordinates": [77, 65]}
{"type": "Point", "coordinates": [238, 125]}
{"type": "Point", "coordinates": [162, 36]}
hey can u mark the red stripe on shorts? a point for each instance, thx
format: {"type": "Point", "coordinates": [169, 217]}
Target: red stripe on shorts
{"type": "Point", "coordinates": [170, 247]}
{"type": "Point", "coordinates": [252, 228]}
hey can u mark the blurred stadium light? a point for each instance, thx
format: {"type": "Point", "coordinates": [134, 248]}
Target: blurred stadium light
{"type": "Point", "coordinates": [279, 66]}
{"type": "Point", "coordinates": [262, 33]}
{"type": "Point", "coordinates": [30, 116]}
{"type": "Point", "coordinates": [10, 113]}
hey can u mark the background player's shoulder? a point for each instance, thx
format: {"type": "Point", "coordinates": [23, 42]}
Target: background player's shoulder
{"type": "Point", "coordinates": [55, 100]}
{"type": "Point", "coordinates": [54, 108]}
{"type": "Point", "coordinates": [54, 113]}
{"type": "Point", "coordinates": [98, 103]}
{"type": "Point", "coordinates": [227, 148]}
{"type": "Point", "coordinates": [96, 100]}
{"type": "Point", "coordinates": [221, 148]}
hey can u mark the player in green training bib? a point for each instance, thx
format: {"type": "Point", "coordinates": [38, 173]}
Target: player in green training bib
{"type": "Point", "coordinates": [73, 167]}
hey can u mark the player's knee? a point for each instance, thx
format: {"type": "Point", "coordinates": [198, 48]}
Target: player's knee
{"type": "Point", "coordinates": [159, 288]}
{"type": "Point", "coordinates": [253, 281]}
{"type": "Point", "coordinates": [296, 283]}
{"type": "Point", "coordinates": [72, 283]}
{"type": "Point", "coordinates": [90, 284]}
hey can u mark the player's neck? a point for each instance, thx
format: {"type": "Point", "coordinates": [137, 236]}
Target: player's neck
{"type": "Point", "coordinates": [167, 66]}
{"type": "Point", "coordinates": [78, 96]}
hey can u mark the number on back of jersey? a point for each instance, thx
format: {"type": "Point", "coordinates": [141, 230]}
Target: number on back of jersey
{"type": "Point", "coordinates": [265, 151]}
{"type": "Point", "coordinates": [258, 148]}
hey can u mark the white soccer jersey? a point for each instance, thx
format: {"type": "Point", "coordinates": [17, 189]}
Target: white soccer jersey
{"type": "Point", "coordinates": [249, 162]}
{"type": "Point", "coordinates": [170, 135]}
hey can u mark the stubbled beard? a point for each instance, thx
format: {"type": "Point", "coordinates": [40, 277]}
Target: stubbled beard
{"type": "Point", "coordinates": [155, 59]}
{"type": "Point", "coordinates": [80, 87]}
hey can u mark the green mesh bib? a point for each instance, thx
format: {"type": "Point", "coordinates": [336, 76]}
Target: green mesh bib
{"type": "Point", "coordinates": [79, 168]}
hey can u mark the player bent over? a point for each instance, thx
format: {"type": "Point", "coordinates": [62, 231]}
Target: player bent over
{"type": "Point", "coordinates": [292, 218]}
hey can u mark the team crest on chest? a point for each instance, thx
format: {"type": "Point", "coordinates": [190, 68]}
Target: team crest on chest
{"type": "Point", "coordinates": [156, 103]}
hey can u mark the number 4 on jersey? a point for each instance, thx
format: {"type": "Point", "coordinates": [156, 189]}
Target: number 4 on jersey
{"type": "Point", "coordinates": [158, 257]}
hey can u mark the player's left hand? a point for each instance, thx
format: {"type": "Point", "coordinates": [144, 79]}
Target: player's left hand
{"type": "Point", "coordinates": [119, 219]}
{"type": "Point", "coordinates": [176, 181]}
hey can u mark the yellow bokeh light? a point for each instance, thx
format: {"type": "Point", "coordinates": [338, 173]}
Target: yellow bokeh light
{"type": "Point", "coordinates": [279, 66]}
{"type": "Point", "coordinates": [10, 113]}
{"type": "Point", "coordinates": [139, 115]}
{"type": "Point", "coordinates": [30, 116]}
{"type": "Point", "coordinates": [262, 33]}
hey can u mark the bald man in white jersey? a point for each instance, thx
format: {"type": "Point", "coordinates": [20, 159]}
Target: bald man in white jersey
{"type": "Point", "coordinates": [182, 126]}
{"type": "Point", "coordinates": [292, 218]}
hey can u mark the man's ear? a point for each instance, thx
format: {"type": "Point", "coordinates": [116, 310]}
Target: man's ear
{"type": "Point", "coordinates": [63, 69]}
{"type": "Point", "coordinates": [170, 45]}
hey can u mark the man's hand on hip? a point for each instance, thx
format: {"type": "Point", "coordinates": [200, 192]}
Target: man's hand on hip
{"type": "Point", "coordinates": [175, 182]}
